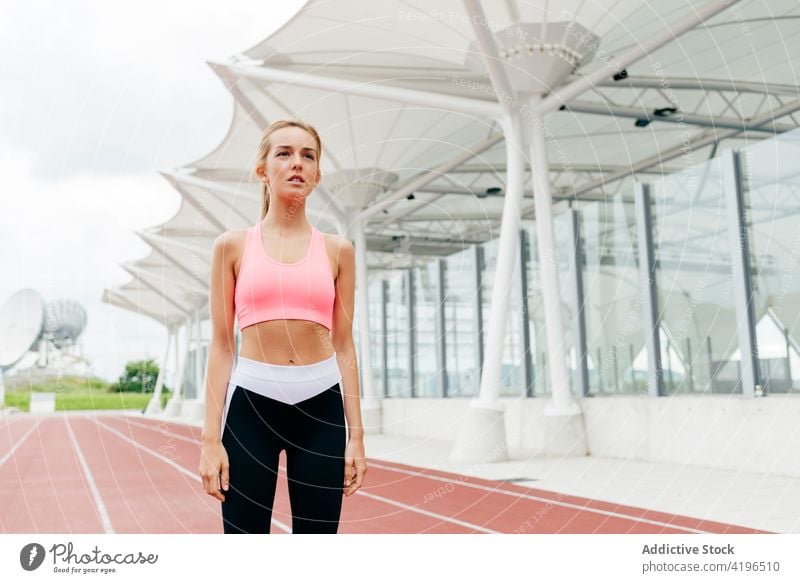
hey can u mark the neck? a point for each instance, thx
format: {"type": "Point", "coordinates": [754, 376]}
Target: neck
{"type": "Point", "coordinates": [286, 217]}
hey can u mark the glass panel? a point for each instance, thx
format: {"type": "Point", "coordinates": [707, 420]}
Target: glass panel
{"type": "Point", "coordinates": [772, 195]}
{"type": "Point", "coordinates": [613, 304]}
{"type": "Point", "coordinates": [460, 324]}
{"type": "Point", "coordinates": [426, 366]}
{"type": "Point", "coordinates": [699, 341]}
{"type": "Point", "coordinates": [397, 337]}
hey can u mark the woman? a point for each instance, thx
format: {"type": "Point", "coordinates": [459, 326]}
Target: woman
{"type": "Point", "coordinates": [291, 288]}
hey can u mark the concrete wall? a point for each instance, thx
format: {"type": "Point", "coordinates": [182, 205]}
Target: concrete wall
{"type": "Point", "coordinates": [716, 431]}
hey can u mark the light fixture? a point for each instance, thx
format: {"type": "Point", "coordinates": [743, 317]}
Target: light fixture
{"type": "Point", "coordinates": [665, 111]}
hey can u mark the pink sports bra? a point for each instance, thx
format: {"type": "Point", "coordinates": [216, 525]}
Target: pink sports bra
{"type": "Point", "coordinates": [270, 290]}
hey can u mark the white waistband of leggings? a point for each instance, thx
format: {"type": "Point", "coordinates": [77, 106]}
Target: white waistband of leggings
{"type": "Point", "coordinates": [324, 371]}
{"type": "Point", "coordinates": [288, 384]}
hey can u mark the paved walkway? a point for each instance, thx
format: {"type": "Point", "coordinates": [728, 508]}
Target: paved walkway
{"type": "Point", "coordinates": [760, 501]}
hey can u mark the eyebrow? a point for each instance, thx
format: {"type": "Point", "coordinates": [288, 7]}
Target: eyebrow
{"type": "Point", "coordinates": [289, 147]}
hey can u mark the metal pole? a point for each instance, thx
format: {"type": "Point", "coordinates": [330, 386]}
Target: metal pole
{"type": "Point", "coordinates": [385, 336]}
{"type": "Point", "coordinates": [478, 305]}
{"type": "Point", "coordinates": [647, 275]}
{"type": "Point", "coordinates": [441, 340]}
{"type": "Point", "coordinates": [524, 254]}
{"type": "Point", "coordinates": [578, 304]}
{"type": "Point", "coordinates": [742, 281]}
{"type": "Point", "coordinates": [412, 332]}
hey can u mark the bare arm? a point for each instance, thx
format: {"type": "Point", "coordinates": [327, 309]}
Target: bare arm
{"type": "Point", "coordinates": [342, 337]}
{"type": "Point", "coordinates": [214, 462]}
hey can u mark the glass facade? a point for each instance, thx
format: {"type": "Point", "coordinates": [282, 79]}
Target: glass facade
{"type": "Point", "coordinates": [426, 331]}
{"type": "Point", "coordinates": [699, 324]}
{"type": "Point", "coordinates": [398, 335]}
{"type": "Point", "coordinates": [613, 303]}
{"type": "Point", "coordinates": [772, 186]}
{"type": "Point", "coordinates": [428, 322]}
{"type": "Point", "coordinates": [463, 326]}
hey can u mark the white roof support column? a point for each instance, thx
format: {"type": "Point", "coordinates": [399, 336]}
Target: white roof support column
{"type": "Point", "coordinates": [563, 422]}
{"type": "Point", "coordinates": [173, 408]}
{"type": "Point", "coordinates": [154, 405]}
{"type": "Point", "coordinates": [561, 401]}
{"type": "Point", "coordinates": [194, 410]}
{"type": "Point", "coordinates": [482, 436]}
{"type": "Point", "coordinates": [371, 406]}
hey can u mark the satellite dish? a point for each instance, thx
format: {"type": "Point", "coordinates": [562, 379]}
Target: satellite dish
{"type": "Point", "coordinates": [64, 320]}
{"type": "Point", "coordinates": [21, 323]}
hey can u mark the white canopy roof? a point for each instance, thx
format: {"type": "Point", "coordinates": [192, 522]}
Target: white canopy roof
{"type": "Point", "coordinates": [404, 117]}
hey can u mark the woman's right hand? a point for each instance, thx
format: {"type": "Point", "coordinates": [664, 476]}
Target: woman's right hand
{"type": "Point", "coordinates": [214, 469]}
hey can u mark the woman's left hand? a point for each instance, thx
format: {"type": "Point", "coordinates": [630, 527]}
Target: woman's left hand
{"type": "Point", "coordinates": [355, 465]}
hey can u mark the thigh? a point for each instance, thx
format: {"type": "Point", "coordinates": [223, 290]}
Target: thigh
{"type": "Point", "coordinates": [315, 463]}
{"type": "Point", "coordinates": [253, 448]}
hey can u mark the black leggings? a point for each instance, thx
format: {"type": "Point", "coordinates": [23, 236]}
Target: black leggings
{"type": "Point", "coordinates": [312, 432]}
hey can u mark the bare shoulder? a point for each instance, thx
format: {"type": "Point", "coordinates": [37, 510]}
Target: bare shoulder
{"type": "Point", "coordinates": [231, 245]}
{"type": "Point", "coordinates": [339, 249]}
{"type": "Point", "coordinates": [339, 246]}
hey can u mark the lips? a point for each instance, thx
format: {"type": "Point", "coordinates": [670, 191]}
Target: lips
{"type": "Point", "coordinates": [296, 178]}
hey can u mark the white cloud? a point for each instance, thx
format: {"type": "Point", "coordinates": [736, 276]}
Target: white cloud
{"type": "Point", "coordinates": [96, 98]}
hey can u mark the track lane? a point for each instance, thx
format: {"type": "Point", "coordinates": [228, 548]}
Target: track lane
{"type": "Point", "coordinates": [43, 488]}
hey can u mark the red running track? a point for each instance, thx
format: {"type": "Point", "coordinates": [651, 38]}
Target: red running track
{"type": "Point", "coordinates": [110, 473]}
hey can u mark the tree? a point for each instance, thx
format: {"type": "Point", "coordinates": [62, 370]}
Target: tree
{"type": "Point", "coordinates": [140, 377]}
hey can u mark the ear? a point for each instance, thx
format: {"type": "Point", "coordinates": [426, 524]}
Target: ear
{"type": "Point", "coordinates": [319, 178]}
{"type": "Point", "coordinates": [261, 171]}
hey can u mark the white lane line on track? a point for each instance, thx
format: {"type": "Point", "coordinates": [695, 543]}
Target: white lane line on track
{"type": "Point", "coordinates": [278, 523]}
{"type": "Point", "coordinates": [495, 490]}
{"type": "Point", "coordinates": [20, 441]}
{"type": "Point", "coordinates": [105, 519]}
{"type": "Point", "coordinates": [540, 499]}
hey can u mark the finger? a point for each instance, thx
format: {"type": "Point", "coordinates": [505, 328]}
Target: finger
{"type": "Point", "coordinates": [354, 485]}
{"type": "Point", "coordinates": [356, 482]}
{"type": "Point", "coordinates": [225, 477]}
{"type": "Point", "coordinates": [217, 494]}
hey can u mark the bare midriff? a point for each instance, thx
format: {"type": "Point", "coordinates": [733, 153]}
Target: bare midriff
{"type": "Point", "coordinates": [286, 342]}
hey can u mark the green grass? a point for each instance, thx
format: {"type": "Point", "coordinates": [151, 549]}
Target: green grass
{"type": "Point", "coordinates": [77, 393]}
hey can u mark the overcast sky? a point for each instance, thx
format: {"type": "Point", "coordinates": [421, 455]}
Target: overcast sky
{"type": "Point", "coordinates": [95, 98]}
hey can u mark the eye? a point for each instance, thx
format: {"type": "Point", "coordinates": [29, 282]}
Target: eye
{"type": "Point", "coordinates": [310, 156]}
{"type": "Point", "coordinates": [282, 153]}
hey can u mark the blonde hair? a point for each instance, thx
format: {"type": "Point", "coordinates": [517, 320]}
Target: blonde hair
{"type": "Point", "coordinates": [265, 145]}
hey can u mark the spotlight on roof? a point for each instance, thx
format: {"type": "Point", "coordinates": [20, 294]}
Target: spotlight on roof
{"type": "Point", "coordinates": [665, 111]}
{"type": "Point", "coordinates": [491, 191]}
{"type": "Point", "coordinates": [642, 123]}
{"type": "Point", "coordinates": [410, 196]}
{"type": "Point", "coordinates": [621, 75]}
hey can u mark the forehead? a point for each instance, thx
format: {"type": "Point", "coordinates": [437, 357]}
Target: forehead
{"type": "Point", "coordinates": [294, 137]}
